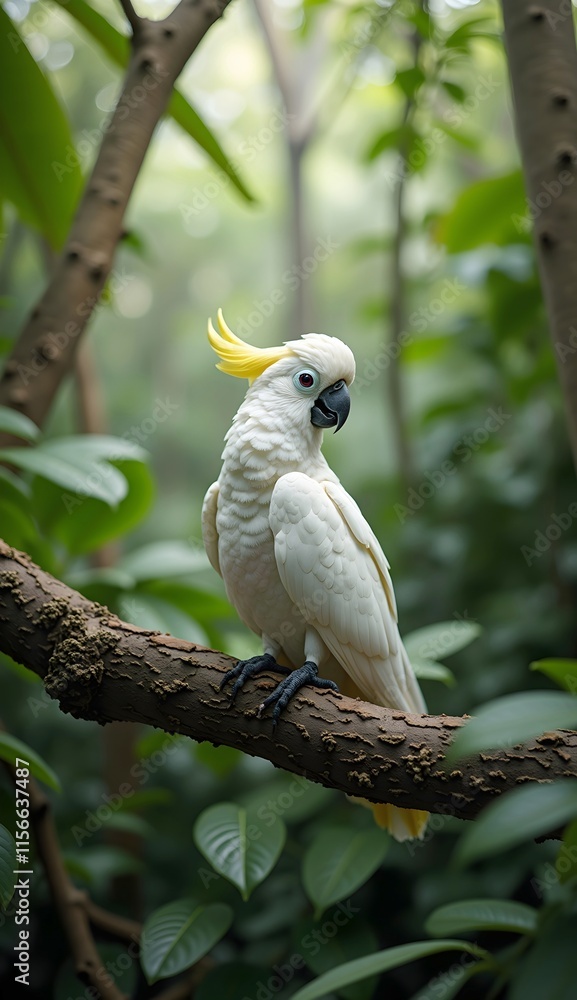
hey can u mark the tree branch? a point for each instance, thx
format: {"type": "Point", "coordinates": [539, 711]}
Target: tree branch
{"type": "Point", "coordinates": [45, 350]}
{"type": "Point", "coordinates": [540, 42]}
{"type": "Point", "coordinates": [131, 16]}
{"type": "Point", "coordinates": [103, 669]}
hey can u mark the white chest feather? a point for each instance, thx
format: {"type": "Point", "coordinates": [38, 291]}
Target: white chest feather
{"type": "Point", "coordinates": [257, 453]}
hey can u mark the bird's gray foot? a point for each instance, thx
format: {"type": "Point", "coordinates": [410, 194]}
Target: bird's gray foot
{"type": "Point", "coordinates": [307, 674]}
{"type": "Point", "coordinates": [248, 668]}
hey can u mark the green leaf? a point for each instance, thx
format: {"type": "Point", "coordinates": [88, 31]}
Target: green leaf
{"type": "Point", "coordinates": [454, 90]}
{"type": "Point", "coordinates": [18, 528]}
{"type": "Point", "coordinates": [390, 139]}
{"type": "Point", "coordinates": [151, 612]}
{"type": "Point", "coordinates": [179, 934]}
{"type": "Point", "coordinates": [519, 816]}
{"type": "Point", "coordinates": [11, 748]}
{"type": "Point", "coordinates": [458, 135]}
{"type": "Point", "coordinates": [355, 939]}
{"type": "Point", "coordinates": [566, 860]}
{"type": "Point", "coordinates": [221, 760]}
{"type": "Point", "coordinates": [7, 865]}
{"type": "Point", "coordinates": [38, 175]}
{"type": "Point", "coordinates": [83, 523]}
{"type": "Point", "coordinates": [185, 115]}
{"type": "Point", "coordinates": [81, 464]}
{"type": "Point", "coordinates": [290, 796]}
{"type": "Point", "coordinates": [485, 212]}
{"type": "Point", "coordinates": [482, 915]}
{"type": "Point", "coordinates": [339, 861]}
{"type": "Point", "coordinates": [431, 671]}
{"type": "Point", "coordinates": [12, 487]}
{"type": "Point", "coordinates": [117, 47]}
{"type": "Point", "coordinates": [435, 642]}
{"type": "Point", "coordinates": [452, 981]}
{"type": "Point", "coordinates": [461, 36]}
{"type": "Point", "coordinates": [513, 719]}
{"type": "Point", "coordinates": [163, 559]}
{"type": "Point", "coordinates": [239, 844]}
{"type": "Point", "coordinates": [380, 961]}
{"type": "Point", "coordinates": [13, 422]}
{"type": "Point", "coordinates": [563, 672]}
{"type": "Point", "coordinates": [549, 970]}
{"type": "Point", "coordinates": [409, 81]}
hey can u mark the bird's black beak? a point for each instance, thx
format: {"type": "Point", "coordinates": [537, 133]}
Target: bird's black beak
{"type": "Point", "coordinates": [331, 409]}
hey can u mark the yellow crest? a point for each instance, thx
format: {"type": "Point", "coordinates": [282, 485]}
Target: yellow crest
{"type": "Point", "coordinates": [240, 359]}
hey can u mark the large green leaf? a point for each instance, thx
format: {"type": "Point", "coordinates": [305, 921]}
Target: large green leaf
{"type": "Point", "coordinates": [563, 672]}
{"type": "Point", "coordinates": [519, 816]}
{"type": "Point", "coordinates": [179, 934]}
{"type": "Point", "coordinates": [482, 915]}
{"type": "Point", "coordinates": [290, 796]}
{"type": "Point", "coordinates": [7, 865]}
{"type": "Point", "coordinates": [429, 670]}
{"type": "Point", "coordinates": [513, 719]}
{"type": "Point", "coordinates": [151, 612]}
{"type": "Point", "coordinates": [239, 845]}
{"type": "Point", "coordinates": [434, 642]}
{"type": "Point", "coordinates": [83, 523]}
{"type": "Point", "coordinates": [339, 861]}
{"type": "Point", "coordinates": [35, 139]}
{"type": "Point", "coordinates": [117, 48]}
{"type": "Point", "coordinates": [81, 464]}
{"type": "Point", "coordinates": [566, 861]}
{"type": "Point", "coordinates": [484, 213]}
{"type": "Point", "coordinates": [356, 938]}
{"type": "Point", "coordinates": [380, 961]}
{"type": "Point", "coordinates": [13, 422]}
{"type": "Point", "coordinates": [12, 748]}
{"type": "Point", "coordinates": [16, 524]}
{"type": "Point", "coordinates": [163, 559]}
{"type": "Point", "coordinates": [451, 982]}
{"type": "Point", "coordinates": [549, 970]}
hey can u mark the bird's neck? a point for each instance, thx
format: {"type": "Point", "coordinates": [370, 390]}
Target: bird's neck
{"type": "Point", "coordinates": [262, 445]}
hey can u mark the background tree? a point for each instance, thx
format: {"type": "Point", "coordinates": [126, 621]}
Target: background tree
{"type": "Point", "coordinates": [468, 482]}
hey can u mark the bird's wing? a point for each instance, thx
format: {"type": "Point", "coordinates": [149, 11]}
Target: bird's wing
{"type": "Point", "coordinates": [335, 571]}
{"type": "Point", "coordinates": [209, 532]}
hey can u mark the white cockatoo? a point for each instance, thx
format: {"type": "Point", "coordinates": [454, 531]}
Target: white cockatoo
{"type": "Point", "coordinates": [299, 561]}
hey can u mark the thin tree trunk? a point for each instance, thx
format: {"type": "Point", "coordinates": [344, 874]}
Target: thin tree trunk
{"type": "Point", "coordinates": [540, 42]}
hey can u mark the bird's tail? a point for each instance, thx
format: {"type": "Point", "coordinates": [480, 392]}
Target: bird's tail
{"type": "Point", "coordinates": [402, 824]}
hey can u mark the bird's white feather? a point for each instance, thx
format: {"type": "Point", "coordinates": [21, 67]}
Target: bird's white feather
{"type": "Point", "coordinates": [335, 571]}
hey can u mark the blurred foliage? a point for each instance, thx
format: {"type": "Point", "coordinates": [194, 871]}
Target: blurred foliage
{"type": "Point", "coordinates": [483, 536]}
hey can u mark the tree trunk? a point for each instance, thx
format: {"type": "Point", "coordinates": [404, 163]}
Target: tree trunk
{"type": "Point", "coordinates": [540, 42]}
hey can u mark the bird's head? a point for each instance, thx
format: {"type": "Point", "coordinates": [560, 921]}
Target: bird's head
{"type": "Point", "coordinates": [306, 380]}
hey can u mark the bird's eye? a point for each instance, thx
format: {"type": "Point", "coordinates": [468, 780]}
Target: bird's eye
{"type": "Point", "coordinates": [307, 381]}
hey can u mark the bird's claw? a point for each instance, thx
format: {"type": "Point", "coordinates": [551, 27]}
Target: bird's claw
{"type": "Point", "coordinates": [246, 669]}
{"type": "Point", "coordinates": [282, 694]}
